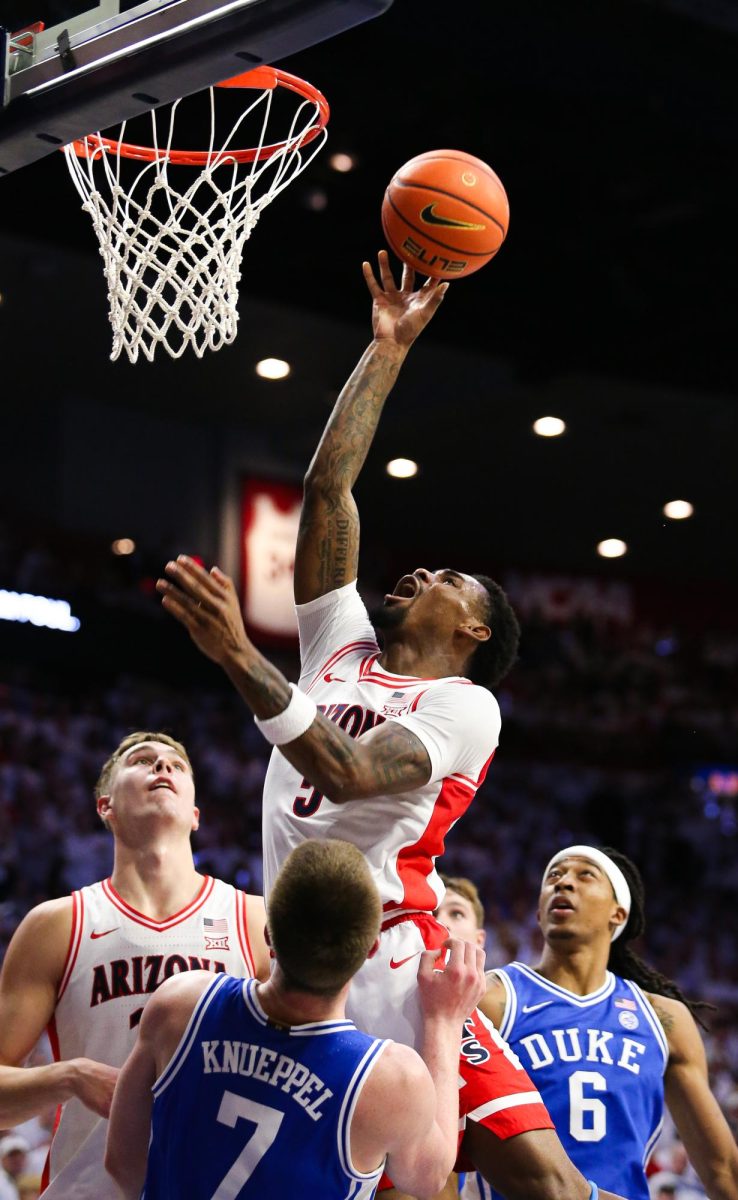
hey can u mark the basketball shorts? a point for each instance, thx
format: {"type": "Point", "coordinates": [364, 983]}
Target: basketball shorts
{"type": "Point", "coordinates": [494, 1088]}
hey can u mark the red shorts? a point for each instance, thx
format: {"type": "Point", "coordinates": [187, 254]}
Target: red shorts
{"type": "Point", "coordinates": [494, 1088]}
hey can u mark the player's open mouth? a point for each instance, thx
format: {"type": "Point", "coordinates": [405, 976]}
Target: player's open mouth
{"type": "Point", "coordinates": [162, 783]}
{"type": "Point", "coordinates": [406, 589]}
{"type": "Point", "coordinates": [560, 905]}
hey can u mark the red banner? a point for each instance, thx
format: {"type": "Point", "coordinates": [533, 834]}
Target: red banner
{"type": "Point", "coordinates": [270, 514]}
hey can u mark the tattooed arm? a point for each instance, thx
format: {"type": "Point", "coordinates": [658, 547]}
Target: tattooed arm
{"type": "Point", "coordinates": [699, 1121]}
{"type": "Point", "coordinates": [328, 538]}
{"type": "Point", "coordinates": [387, 760]}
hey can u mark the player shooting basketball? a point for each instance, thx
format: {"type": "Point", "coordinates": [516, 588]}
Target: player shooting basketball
{"type": "Point", "coordinates": [385, 749]}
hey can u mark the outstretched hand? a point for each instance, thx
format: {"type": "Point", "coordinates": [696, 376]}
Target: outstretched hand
{"type": "Point", "coordinates": [400, 314]}
{"type": "Point", "coordinates": [207, 604]}
{"type": "Point", "coordinates": [453, 991]}
{"type": "Point", "coordinates": [94, 1084]}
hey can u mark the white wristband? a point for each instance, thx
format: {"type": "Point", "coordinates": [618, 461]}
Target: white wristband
{"type": "Point", "coordinates": [292, 722]}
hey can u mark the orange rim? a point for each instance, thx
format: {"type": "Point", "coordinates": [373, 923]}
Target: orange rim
{"type": "Point", "coordinates": [262, 78]}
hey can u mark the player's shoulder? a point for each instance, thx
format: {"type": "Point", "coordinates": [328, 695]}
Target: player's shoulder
{"type": "Point", "coordinates": [345, 597]}
{"type": "Point", "coordinates": [41, 941]}
{"type": "Point", "coordinates": [494, 1000]}
{"type": "Point", "coordinates": [399, 1062]}
{"type": "Point", "coordinates": [461, 693]}
{"type": "Point", "coordinates": [674, 1017]}
{"type": "Point", "coordinates": [51, 917]}
{"type": "Point", "coordinates": [172, 1003]}
{"type": "Point", "coordinates": [397, 1079]}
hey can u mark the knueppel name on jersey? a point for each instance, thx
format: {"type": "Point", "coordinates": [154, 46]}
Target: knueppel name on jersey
{"type": "Point", "coordinates": [585, 1045]}
{"type": "Point", "coordinates": [141, 974]}
{"type": "Point", "coordinates": [291, 1077]}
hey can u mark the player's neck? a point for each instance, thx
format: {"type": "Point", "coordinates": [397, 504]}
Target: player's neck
{"type": "Point", "coordinates": [289, 1007]}
{"type": "Point", "coordinates": [418, 661]}
{"type": "Point", "coordinates": [158, 880]}
{"type": "Point", "coordinates": [579, 969]}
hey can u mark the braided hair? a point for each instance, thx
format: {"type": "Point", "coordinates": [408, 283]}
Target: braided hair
{"type": "Point", "coordinates": [624, 962]}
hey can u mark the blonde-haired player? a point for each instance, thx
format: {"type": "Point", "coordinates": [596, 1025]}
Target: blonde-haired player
{"type": "Point", "coordinates": [86, 964]}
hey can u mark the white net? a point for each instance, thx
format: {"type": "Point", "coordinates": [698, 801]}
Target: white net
{"type": "Point", "coordinates": [173, 254]}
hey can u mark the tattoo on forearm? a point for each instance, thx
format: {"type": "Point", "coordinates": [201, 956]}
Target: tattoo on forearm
{"type": "Point", "coordinates": [329, 522]}
{"type": "Point", "coordinates": [342, 769]}
{"type": "Point", "coordinates": [399, 758]}
{"type": "Point", "coordinates": [263, 687]}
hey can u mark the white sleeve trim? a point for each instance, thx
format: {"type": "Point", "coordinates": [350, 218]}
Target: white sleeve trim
{"type": "Point", "coordinates": [311, 606]}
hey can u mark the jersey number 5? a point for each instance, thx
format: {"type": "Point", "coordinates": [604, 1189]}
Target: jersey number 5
{"type": "Point", "coordinates": [267, 1122]}
{"type": "Point", "coordinates": [587, 1114]}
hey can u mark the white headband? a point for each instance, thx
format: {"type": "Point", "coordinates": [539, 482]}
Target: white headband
{"type": "Point", "coordinates": [609, 868]}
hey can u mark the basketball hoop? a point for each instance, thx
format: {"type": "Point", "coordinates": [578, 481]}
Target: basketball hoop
{"type": "Point", "coordinates": [173, 254]}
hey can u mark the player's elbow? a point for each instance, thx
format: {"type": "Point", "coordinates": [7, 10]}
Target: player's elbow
{"type": "Point", "coordinates": [721, 1180]}
{"type": "Point", "coordinates": [118, 1166]}
{"type": "Point", "coordinates": [114, 1161]}
{"type": "Point", "coordinates": [321, 482]}
{"type": "Point", "coordinates": [433, 1184]}
{"type": "Point", "coordinates": [425, 1180]}
{"type": "Point", "coordinates": [343, 787]}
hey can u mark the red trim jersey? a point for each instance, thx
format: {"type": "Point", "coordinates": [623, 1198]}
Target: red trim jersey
{"type": "Point", "coordinates": [117, 957]}
{"type": "Point", "coordinates": [399, 835]}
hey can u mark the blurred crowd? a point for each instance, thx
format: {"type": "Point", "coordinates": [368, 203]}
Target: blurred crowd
{"type": "Point", "coordinates": [617, 734]}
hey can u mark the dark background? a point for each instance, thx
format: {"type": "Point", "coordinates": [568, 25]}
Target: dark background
{"type": "Point", "coordinates": [613, 127]}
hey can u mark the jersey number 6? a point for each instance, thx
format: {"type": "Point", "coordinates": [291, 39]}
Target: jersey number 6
{"type": "Point", "coordinates": [587, 1114]}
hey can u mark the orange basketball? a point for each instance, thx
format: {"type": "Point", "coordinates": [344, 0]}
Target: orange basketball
{"type": "Point", "coordinates": [445, 213]}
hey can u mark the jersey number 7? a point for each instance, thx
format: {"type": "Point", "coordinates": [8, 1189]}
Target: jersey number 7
{"type": "Point", "coordinates": [267, 1121]}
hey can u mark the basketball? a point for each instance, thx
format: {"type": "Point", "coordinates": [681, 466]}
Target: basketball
{"type": "Point", "coordinates": [445, 213]}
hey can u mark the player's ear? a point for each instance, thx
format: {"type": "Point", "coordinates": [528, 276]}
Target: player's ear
{"type": "Point", "coordinates": [619, 917]}
{"type": "Point", "coordinates": [481, 937]}
{"type": "Point", "coordinates": [374, 948]}
{"type": "Point", "coordinates": [195, 819]}
{"type": "Point", "coordinates": [268, 941]}
{"type": "Point", "coordinates": [475, 629]}
{"type": "Point", "coordinates": [103, 805]}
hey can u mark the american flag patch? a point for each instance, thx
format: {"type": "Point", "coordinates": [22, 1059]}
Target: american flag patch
{"type": "Point", "coordinates": [398, 695]}
{"type": "Point", "coordinates": [220, 925]}
{"type": "Point", "coordinates": [626, 1004]}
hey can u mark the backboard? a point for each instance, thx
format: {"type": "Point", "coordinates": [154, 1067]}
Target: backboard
{"type": "Point", "coordinates": [122, 58]}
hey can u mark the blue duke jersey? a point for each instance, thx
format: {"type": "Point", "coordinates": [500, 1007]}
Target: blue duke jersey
{"type": "Point", "coordinates": [249, 1110]}
{"type": "Point", "coordinates": [598, 1061]}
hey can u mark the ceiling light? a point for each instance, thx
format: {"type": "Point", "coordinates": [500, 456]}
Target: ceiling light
{"type": "Point", "coordinates": [342, 162]}
{"type": "Point", "coordinates": [316, 200]}
{"type": "Point", "coordinates": [678, 510]}
{"type": "Point", "coordinates": [549, 426]}
{"type": "Point", "coordinates": [273, 368]}
{"type": "Point", "coordinates": [402, 468]}
{"type": "Point", "coordinates": [612, 548]}
{"type": "Point", "coordinates": [122, 546]}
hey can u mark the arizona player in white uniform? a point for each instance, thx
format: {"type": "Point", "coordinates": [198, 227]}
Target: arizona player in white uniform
{"type": "Point", "coordinates": [385, 748]}
{"type": "Point", "coordinates": [85, 965]}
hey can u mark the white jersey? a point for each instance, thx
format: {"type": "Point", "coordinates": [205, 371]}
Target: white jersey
{"type": "Point", "coordinates": [400, 835]}
{"type": "Point", "coordinates": [116, 958]}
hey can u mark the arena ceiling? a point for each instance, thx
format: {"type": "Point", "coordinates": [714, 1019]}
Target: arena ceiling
{"type": "Point", "coordinates": [613, 127]}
